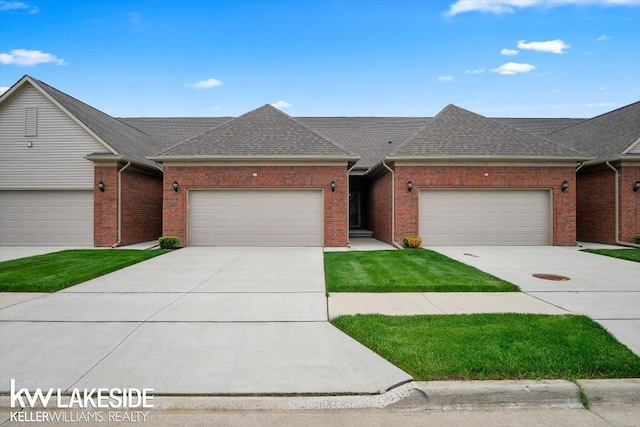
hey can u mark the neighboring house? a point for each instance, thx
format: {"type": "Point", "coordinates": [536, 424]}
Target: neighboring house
{"type": "Point", "coordinates": [269, 179]}
{"type": "Point", "coordinates": [54, 153]}
{"type": "Point", "coordinates": [608, 187]}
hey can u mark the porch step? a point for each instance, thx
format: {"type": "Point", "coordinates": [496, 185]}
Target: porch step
{"type": "Point", "coordinates": [360, 232]}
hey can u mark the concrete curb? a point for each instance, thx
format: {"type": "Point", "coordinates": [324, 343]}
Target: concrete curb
{"type": "Point", "coordinates": [607, 392]}
{"type": "Point", "coordinates": [433, 395]}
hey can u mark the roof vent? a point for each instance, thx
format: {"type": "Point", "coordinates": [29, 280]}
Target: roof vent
{"type": "Point", "coordinates": [390, 142]}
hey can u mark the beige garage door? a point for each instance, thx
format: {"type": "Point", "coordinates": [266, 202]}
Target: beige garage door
{"type": "Point", "coordinates": [47, 218]}
{"type": "Point", "coordinates": [256, 218]}
{"type": "Point", "coordinates": [485, 217]}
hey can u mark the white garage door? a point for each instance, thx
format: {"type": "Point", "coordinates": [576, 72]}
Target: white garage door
{"type": "Point", "coordinates": [485, 217]}
{"type": "Point", "coordinates": [256, 218]}
{"type": "Point", "coordinates": [47, 218]}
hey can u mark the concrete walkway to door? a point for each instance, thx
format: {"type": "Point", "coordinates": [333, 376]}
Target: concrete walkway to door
{"type": "Point", "coordinates": [195, 321]}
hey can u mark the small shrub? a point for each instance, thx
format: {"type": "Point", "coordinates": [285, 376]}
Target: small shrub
{"type": "Point", "coordinates": [412, 241]}
{"type": "Point", "coordinates": [169, 242]}
{"type": "Point", "coordinates": [637, 239]}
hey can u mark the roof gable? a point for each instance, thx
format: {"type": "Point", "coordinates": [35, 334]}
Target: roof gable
{"type": "Point", "coordinates": [117, 137]}
{"type": "Point", "coordinates": [456, 132]}
{"type": "Point", "coordinates": [263, 132]}
{"type": "Point", "coordinates": [609, 135]}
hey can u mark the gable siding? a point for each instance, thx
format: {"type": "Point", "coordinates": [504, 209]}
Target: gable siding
{"type": "Point", "coordinates": [56, 159]}
{"type": "Point", "coordinates": [635, 149]}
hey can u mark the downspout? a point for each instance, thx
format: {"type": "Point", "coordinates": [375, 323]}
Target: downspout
{"type": "Point", "coordinates": [618, 242]}
{"type": "Point", "coordinates": [116, 244]}
{"type": "Point", "coordinates": [349, 203]}
{"type": "Point", "coordinates": [393, 206]}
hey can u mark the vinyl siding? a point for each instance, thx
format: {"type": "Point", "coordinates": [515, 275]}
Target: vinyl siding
{"type": "Point", "coordinates": [56, 159]}
{"type": "Point", "coordinates": [635, 149]}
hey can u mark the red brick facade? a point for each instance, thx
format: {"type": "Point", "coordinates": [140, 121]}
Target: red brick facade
{"type": "Point", "coordinates": [596, 206]}
{"type": "Point", "coordinates": [141, 206]}
{"type": "Point", "coordinates": [629, 203]}
{"type": "Point", "coordinates": [379, 209]}
{"type": "Point", "coordinates": [242, 177]}
{"type": "Point", "coordinates": [469, 177]}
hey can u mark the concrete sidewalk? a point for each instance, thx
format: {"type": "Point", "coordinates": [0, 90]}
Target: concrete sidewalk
{"type": "Point", "coordinates": [417, 303]}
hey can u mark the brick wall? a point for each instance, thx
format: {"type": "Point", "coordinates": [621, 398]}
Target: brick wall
{"type": "Point", "coordinates": [378, 211]}
{"type": "Point", "coordinates": [503, 177]}
{"type": "Point", "coordinates": [629, 203]}
{"type": "Point", "coordinates": [272, 177]}
{"type": "Point", "coordinates": [105, 206]}
{"type": "Point", "coordinates": [595, 203]}
{"type": "Point", "coordinates": [141, 206]}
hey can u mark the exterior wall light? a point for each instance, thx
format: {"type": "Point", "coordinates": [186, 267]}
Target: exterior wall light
{"type": "Point", "coordinates": [409, 186]}
{"type": "Point", "coordinates": [333, 186]}
{"type": "Point", "coordinates": [101, 186]}
{"type": "Point", "coordinates": [175, 186]}
{"type": "Point", "coordinates": [564, 187]}
{"type": "Point", "coordinates": [636, 186]}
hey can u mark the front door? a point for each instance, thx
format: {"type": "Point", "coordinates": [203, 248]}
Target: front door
{"type": "Point", "coordinates": [354, 209]}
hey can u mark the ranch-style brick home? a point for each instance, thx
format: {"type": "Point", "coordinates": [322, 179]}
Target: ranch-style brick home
{"type": "Point", "coordinates": [72, 175]}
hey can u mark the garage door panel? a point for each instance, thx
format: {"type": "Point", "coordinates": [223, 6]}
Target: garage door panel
{"type": "Point", "coordinates": [60, 218]}
{"type": "Point", "coordinates": [256, 218]}
{"type": "Point", "coordinates": [484, 217]}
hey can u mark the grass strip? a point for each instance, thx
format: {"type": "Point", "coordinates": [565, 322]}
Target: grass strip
{"type": "Point", "coordinates": [627, 254]}
{"type": "Point", "coordinates": [494, 346]}
{"type": "Point", "coordinates": [58, 270]}
{"type": "Point", "coordinates": [411, 270]}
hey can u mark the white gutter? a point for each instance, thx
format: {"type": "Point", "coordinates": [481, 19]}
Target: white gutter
{"type": "Point", "coordinates": [116, 244]}
{"type": "Point", "coordinates": [348, 204]}
{"type": "Point", "coordinates": [393, 206]}
{"type": "Point", "coordinates": [618, 242]}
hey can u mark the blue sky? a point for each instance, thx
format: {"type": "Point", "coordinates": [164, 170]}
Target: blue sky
{"type": "Point", "coordinates": [500, 58]}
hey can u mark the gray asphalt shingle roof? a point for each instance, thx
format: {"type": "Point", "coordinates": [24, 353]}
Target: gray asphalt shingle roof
{"type": "Point", "coordinates": [537, 126]}
{"type": "Point", "coordinates": [168, 131]}
{"type": "Point", "coordinates": [128, 141]}
{"type": "Point", "coordinates": [265, 131]}
{"type": "Point", "coordinates": [459, 132]}
{"type": "Point", "coordinates": [367, 136]}
{"type": "Point", "coordinates": [605, 136]}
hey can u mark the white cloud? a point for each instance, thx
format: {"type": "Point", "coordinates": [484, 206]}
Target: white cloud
{"type": "Point", "coordinates": [3, 89]}
{"type": "Point", "coordinates": [588, 53]}
{"type": "Point", "coordinates": [205, 84]}
{"type": "Point", "coordinates": [552, 46]}
{"type": "Point", "coordinates": [509, 52]}
{"type": "Point", "coordinates": [27, 58]}
{"type": "Point", "coordinates": [478, 71]}
{"type": "Point", "coordinates": [499, 7]}
{"type": "Point", "coordinates": [511, 68]}
{"type": "Point", "coordinates": [600, 88]}
{"type": "Point", "coordinates": [445, 78]}
{"type": "Point", "coordinates": [603, 38]}
{"type": "Point", "coordinates": [600, 104]}
{"type": "Point", "coordinates": [281, 104]}
{"type": "Point", "coordinates": [18, 5]}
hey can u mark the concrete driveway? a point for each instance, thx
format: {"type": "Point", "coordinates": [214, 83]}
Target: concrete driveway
{"type": "Point", "coordinates": [195, 321]}
{"type": "Point", "coordinates": [603, 288]}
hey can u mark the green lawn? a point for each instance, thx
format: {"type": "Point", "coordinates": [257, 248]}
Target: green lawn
{"type": "Point", "coordinates": [58, 270]}
{"type": "Point", "coordinates": [628, 254]}
{"type": "Point", "coordinates": [411, 270]}
{"type": "Point", "coordinates": [494, 346]}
